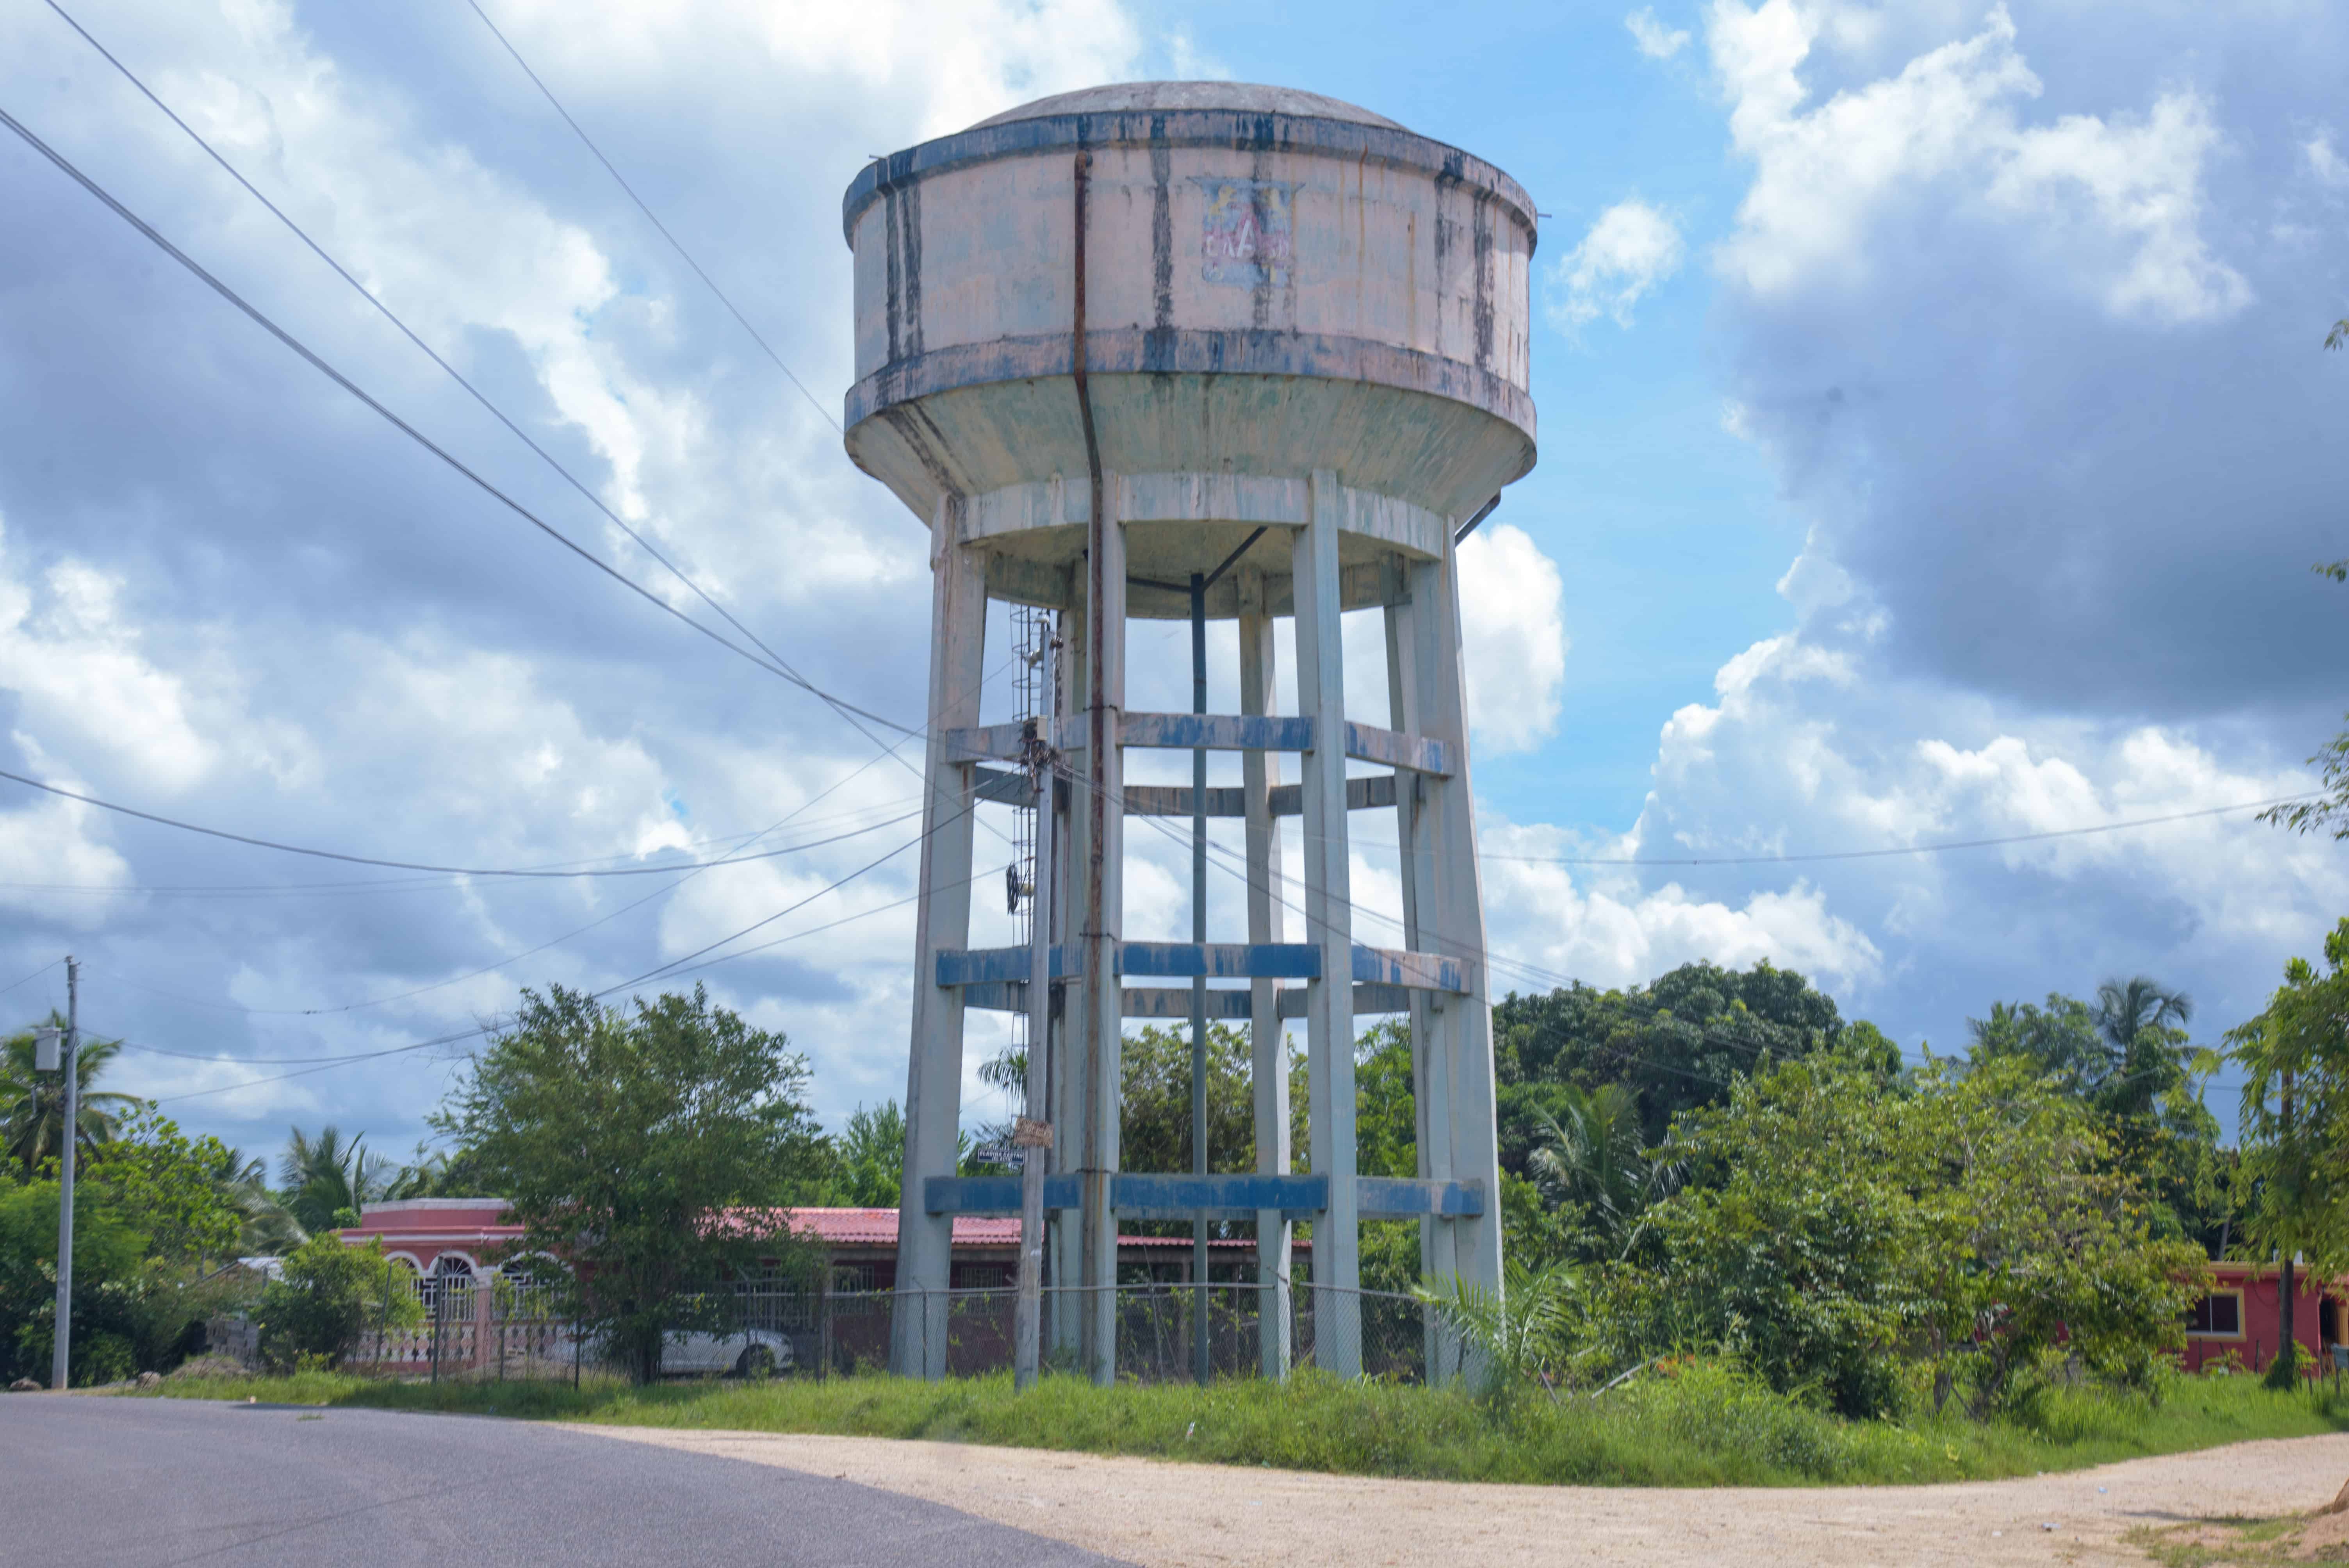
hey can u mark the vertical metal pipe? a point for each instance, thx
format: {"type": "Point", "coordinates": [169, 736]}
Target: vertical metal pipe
{"type": "Point", "coordinates": [61, 1342]}
{"type": "Point", "coordinates": [1199, 1359]}
{"type": "Point", "coordinates": [1034, 1137]}
{"type": "Point", "coordinates": [1267, 1051]}
{"type": "Point", "coordinates": [1103, 621]}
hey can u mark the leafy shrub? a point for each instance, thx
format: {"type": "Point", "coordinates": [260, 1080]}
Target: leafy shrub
{"type": "Point", "coordinates": [327, 1296]}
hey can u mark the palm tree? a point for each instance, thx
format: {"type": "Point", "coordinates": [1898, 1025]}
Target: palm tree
{"type": "Point", "coordinates": [1591, 1153]}
{"type": "Point", "coordinates": [32, 1104]}
{"type": "Point", "coordinates": [264, 1227]}
{"type": "Point", "coordinates": [2142, 1024]}
{"type": "Point", "coordinates": [325, 1175]}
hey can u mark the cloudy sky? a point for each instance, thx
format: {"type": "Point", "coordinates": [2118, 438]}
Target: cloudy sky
{"type": "Point", "coordinates": [1935, 441]}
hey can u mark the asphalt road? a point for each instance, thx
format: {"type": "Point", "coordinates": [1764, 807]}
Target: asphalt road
{"type": "Point", "coordinates": [138, 1483]}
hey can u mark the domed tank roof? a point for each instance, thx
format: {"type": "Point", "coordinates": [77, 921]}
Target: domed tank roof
{"type": "Point", "coordinates": [1246, 97]}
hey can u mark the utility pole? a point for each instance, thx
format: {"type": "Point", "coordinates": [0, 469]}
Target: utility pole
{"type": "Point", "coordinates": [62, 1341]}
{"type": "Point", "coordinates": [1032, 1135]}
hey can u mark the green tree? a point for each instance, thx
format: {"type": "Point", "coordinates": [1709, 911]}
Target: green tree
{"type": "Point", "coordinates": [2060, 1040]}
{"type": "Point", "coordinates": [637, 1147]}
{"type": "Point", "coordinates": [1154, 1072]}
{"type": "Point", "coordinates": [2294, 1056]}
{"type": "Point", "coordinates": [265, 1228]}
{"type": "Point", "coordinates": [2142, 1024]}
{"type": "Point", "coordinates": [1837, 1221]}
{"type": "Point", "coordinates": [869, 1159]}
{"type": "Point", "coordinates": [329, 1175]}
{"type": "Point", "coordinates": [32, 1103]}
{"type": "Point", "coordinates": [1592, 1163]}
{"type": "Point", "coordinates": [2124, 1058]}
{"type": "Point", "coordinates": [1677, 1043]}
{"type": "Point", "coordinates": [325, 1297]}
{"type": "Point", "coordinates": [148, 1221]}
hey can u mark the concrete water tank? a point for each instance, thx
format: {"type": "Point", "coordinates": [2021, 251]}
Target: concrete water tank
{"type": "Point", "coordinates": [1199, 349]}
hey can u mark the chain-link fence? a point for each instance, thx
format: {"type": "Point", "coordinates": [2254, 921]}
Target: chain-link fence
{"type": "Point", "coordinates": [1163, 1331]}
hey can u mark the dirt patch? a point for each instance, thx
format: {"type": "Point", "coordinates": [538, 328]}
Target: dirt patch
{"type": "Point", "coordinates": [1169, 1515]}
{"type": "Point", "coordinates": [2290, 1538]}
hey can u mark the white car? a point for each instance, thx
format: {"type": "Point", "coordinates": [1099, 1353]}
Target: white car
{"type": "Point", "coordinates": [747, 1353]}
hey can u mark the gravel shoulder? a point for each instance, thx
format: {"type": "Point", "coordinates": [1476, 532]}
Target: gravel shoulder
{"type": "Point", "coordinates": [1155, 1512]}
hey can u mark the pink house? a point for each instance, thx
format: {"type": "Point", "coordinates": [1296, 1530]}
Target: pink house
{"type": "Point", "coordinates": [2242, 1316]}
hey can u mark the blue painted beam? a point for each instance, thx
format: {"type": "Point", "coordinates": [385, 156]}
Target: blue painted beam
{"type": "Point", "coordinates": [1175, 1002]}
{"type": "Point", "coordinates": [1216, 731]}
{"type": "Point", "coordinates": [994, 1194]}
{"type": "Point", "coordinates": [978, 965]}
{"type": "Point", "coordinates": [1388, 1198]}
{"type": "Point", "coordinates": [1396, 750]}
{"type": "Point", "coordinates": [1141, 1196]}
{"type": "Point", "coordinates": [1221, 960]}
{"type": "Point", "coordinates": [1147, 1197]}
{"type": "Point", "coordinates": [1413, 971]}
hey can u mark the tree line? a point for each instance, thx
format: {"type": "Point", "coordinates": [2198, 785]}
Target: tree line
{"type": "Point", "coordinates": [1716, 1158]}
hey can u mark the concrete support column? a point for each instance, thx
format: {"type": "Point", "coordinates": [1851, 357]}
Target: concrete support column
{"type": "Point", "coordinates": [1268, 1072]}
{"type": "Point", "coordinates": [1415, 839]}
{"type": "Point", "coordinates": [1328, 925]}
{"type": "Point", "coordinates": [1102, 1024]}
{"type": "Point", "coordinates": [1452, 907]}
{"type": "Point", "coordinates": [917, 1332]}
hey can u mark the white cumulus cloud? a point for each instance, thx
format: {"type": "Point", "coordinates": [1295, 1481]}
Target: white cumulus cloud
{"type": "Point", "coordinates": [1654, 39]}
{"type": "Point", "coordinates": [1631, 248]}
{"type": "Point", "coordinates": [1514, 628]}
{"type": "Point", "coordinates": [2112, 204]}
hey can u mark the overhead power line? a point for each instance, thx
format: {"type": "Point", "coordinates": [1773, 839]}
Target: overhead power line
{"type": "Point", "coordinates": [311, 357]}
{"type": "Point", "coordinates": [474, 392]}
{"type": "Point", "coordinates": [446, 871]}
{"type": "Point", "coordinates": [650, 216]}
{"type": "Point", "coordinates": [1899, 850]}
{"type": "Point", "coordinates": [327, 1064]}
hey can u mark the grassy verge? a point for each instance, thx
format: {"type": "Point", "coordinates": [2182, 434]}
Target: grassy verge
{"type": "Point", "coordinates": [1707, 1427]}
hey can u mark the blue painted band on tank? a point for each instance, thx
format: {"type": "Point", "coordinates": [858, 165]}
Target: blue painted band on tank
{"type": "Point", "coordinates": [1237, 131]}
{"type": "Point", "coordinates": [1193, 351]}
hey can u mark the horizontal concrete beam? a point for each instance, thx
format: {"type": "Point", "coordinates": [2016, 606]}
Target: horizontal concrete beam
{"type": "Point", "coordinates": [1371, 744]}
{"type": "Point", "coordinates": [1382, 971]}
{"type": "Point", "coordinates": [1367, 794]}
{"type": "Point", "coordinates": [1140, 1196]}
{"type": "Point", "coordinates": [979, 965]}
{"type": "Point", "coordinates": [1221, 960]}
{"type": "Point", "coordinates": [1216, 731]}
{"type": "Point", "coordinates": [1411, 971]}
{"type": "Point", "coordinates": [1224, 1006]}
{"type": "Point", "coordinates": [986, 743]}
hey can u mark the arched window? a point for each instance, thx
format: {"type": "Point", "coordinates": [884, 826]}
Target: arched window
{"type": "Point", "coordinates": [452, 1274]}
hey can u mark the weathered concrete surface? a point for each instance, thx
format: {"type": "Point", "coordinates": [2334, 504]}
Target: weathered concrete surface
{"type": "Point", "coordinates": [1273, 285]}
{"type": "Point", "coordinates": [1152, 1511]}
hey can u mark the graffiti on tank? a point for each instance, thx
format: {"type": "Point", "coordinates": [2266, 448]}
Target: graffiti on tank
{"type": "Point", "coordinates": [1244, 237]}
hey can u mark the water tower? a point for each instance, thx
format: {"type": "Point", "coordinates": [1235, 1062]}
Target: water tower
{"type": "Point", "coordinates": [1190, 350]}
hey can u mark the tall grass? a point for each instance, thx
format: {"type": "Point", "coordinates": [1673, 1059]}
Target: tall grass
{"type": "Point", "coordinates": [1701, 1423]}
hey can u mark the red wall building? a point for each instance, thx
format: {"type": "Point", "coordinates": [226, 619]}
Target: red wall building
{"type": "Point", "coordinates": [2242, 1316]}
